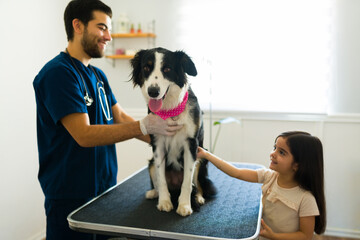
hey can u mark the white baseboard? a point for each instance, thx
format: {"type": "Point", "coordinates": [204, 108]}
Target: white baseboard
{"type": "Point", "coordinates": [338, 232]}
{"type": "Point", "coordinates": [39, 236]}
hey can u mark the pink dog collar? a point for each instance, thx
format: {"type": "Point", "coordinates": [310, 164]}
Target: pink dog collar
{"type": "Point", "coordinates": [164, 114]}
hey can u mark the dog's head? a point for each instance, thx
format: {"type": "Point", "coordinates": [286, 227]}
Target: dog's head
{"type": "Point", "coordinates": [161, 75]}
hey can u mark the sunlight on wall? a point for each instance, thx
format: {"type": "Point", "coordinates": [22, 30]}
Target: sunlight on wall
{"type": "Point", "coordinates": [258, 55]}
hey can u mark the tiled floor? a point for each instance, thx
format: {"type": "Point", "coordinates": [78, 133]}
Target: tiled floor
{"type": "Point", "coordinates": [316, 237]}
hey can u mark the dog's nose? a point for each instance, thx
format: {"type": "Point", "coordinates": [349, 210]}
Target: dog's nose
{"type": "Point", "coordinates": [153, 91]}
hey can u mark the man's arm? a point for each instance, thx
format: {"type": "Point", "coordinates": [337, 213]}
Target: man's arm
{"type": "Point", "coordinates": [125, 127]}
{"type": "Point", "coordinates": [120, 116]}
{"type": "Point", "coordinates": [86, 135]}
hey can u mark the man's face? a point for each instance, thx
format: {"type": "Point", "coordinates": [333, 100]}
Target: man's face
{"type": "Point", "coordinates": [97, 35]}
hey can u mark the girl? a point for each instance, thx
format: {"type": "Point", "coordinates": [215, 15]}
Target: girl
{"type": "Point", "coordinates": [293, 188]}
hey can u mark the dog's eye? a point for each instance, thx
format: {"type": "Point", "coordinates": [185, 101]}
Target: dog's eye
{"type": "Point", "coordinates": [167, 69]}
{"type": "Point", "coordinates": [146, 69]}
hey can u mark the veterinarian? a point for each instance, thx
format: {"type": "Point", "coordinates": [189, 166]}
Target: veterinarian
{"type": "Point", "coordinates": [79, 120]}
{"type": "Point", "coordinates": [293, 188]}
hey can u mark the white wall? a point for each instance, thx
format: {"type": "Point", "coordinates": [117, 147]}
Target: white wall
{"type": "Point", "coordinates": [33, 33]}
{"type": "Point", "coordinates": [345, 96]}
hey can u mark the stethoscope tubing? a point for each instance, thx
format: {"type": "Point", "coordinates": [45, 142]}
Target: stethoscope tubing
{"type": "Point", "coordinates": [99, 85]}
{"type": "Point", "coordinates": [101, 88]}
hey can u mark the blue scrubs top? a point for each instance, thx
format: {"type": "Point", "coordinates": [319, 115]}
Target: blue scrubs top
{"type": "Point", "coordinates": [68, 170]}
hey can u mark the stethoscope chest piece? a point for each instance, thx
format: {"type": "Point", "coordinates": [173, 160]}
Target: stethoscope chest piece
{"type": "Point", "coordinates": [88, 100]}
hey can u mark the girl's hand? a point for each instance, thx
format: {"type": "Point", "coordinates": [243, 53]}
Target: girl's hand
{"type": "Point", "coordinates": [201, 153]}
{"type": "Point", "coordinates": [265, 230]}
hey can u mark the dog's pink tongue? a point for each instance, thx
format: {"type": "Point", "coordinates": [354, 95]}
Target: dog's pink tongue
{"type": "Point", "coordinates": [155, 104]}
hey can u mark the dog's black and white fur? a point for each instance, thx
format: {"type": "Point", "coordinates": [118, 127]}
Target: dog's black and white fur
{"type": "Point", "coordinates": [161, 74]}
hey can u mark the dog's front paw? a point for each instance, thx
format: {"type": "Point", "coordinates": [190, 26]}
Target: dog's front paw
{"type": "Point", "coordinates": [151, 194]}
{"type": "Point", "coordinates": [184, 210]}
{"type": "Point", "coordinates": [165, 205]}
{"type": "Point", "coordinates": [200, 199]}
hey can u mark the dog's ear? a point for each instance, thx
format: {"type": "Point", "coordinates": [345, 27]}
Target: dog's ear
{"type": "Point", "coordinates": [186, 63]}
{"type": "Point", "coordinates": [136, 75]}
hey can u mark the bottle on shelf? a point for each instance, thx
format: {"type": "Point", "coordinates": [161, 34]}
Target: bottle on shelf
{"type": "Point", "coordinates": [122, 24]}
{"type": "Point", "coordinates": [132, 29]}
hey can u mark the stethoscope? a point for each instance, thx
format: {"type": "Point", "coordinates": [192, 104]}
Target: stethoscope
{"type": "Point", "coordinates": [101, 91]}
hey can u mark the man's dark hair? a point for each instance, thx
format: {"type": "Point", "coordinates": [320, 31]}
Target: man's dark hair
{"type": "Point", "coordinates": [82, 10]}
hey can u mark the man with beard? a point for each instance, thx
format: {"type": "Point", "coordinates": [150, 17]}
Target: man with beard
{"type": "Point", "coordinates": [79, 120]}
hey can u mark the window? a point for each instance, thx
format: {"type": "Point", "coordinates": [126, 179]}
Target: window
{"type": "Point", "coordinates": [259, 55]}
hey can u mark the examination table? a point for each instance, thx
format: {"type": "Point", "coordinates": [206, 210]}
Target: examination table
{"type": "Point", "coordinates": [234, 213]}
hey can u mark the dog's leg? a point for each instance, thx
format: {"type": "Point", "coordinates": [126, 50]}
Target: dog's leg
{"type": "Point", "coordinates": [153, 193]}
{"type": "Point", "coordinates": [199, 194]}
{"type": "Point", "coordinates": [164, 202]}
{"type": "Point", "coordinates": [184, 208]}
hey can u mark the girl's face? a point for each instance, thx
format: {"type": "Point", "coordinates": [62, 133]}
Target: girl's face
{"type": "Point", "coordinates": [281, 158]}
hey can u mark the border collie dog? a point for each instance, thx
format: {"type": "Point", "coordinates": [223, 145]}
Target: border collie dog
{"type": "Point", "coordinates": [174, 169]}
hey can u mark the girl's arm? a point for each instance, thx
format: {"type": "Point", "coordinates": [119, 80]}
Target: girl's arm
{"type": "Point", "coordinates": [248, 175]}
{"type": "Point", "coordinates": [306, 232]}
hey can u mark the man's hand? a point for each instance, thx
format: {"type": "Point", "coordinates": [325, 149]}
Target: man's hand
{"type": "Point", "coordinates": [153, 124]}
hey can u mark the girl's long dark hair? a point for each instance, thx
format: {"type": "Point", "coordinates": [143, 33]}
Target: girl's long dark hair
{"type": "Point", "coordinates": [307, 151]}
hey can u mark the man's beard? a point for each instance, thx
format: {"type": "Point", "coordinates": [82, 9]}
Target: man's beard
{"type": "Point", "coordinates": [90, 46]}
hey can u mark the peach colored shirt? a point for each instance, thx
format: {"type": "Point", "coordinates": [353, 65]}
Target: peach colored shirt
{"type": "Point", "coordinates": [283, 207]}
